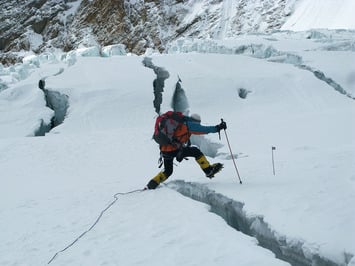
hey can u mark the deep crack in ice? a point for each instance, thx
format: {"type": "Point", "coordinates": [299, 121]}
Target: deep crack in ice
{"type": "Point", "coordinates": [234, 214]}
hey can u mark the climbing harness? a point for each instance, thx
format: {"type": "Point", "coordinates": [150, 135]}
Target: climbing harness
{"type": "Point", "coordinates": [97, 220]}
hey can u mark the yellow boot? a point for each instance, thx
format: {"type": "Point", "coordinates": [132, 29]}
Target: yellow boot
{"type": "Point", "coordinates": [161, 177]}
{"type": "Point", "coordinates": [210, 170]}
{"type": "Point", "coordinates": [204, 164]}
{"type": "Point", "coordinates": [156, 180]}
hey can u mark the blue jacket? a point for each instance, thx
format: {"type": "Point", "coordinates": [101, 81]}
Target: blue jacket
{"type": "Point", "coordinates": [197, 129]}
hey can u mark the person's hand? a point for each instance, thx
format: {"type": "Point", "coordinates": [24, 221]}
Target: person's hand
{"type": "Point", "coordinates": [222, 125]}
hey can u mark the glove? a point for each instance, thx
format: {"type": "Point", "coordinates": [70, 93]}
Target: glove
{"type": "Point", "coordinates": [222, 125]}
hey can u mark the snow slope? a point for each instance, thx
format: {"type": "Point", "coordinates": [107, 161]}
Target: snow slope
{"type": "Point", "coordinates": [321, 14]}
{"type": "Point", "coordinates": [55, 187]}
{"type": "Point", "coordinates": [60, 170]}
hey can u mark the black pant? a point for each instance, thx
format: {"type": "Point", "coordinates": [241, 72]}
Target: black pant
{"type": "Point", "coordinates": [190, 151]}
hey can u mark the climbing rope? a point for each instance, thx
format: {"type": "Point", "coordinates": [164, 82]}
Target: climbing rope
{"type": "Point", "coordinates": [97, 220]}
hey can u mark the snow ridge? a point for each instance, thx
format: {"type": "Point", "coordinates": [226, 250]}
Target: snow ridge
{"type": "Point", "coordinates": [270, 53]}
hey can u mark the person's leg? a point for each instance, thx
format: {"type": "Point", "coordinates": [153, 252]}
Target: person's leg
{"type": "Point", "coordinates": [189, 151]}
{"type": "Point", "coordinates": [162, 176]}
{"type": "Point", "coordinates": [207, 168]}
{"type": "Point", "coordinates": [192, 151]}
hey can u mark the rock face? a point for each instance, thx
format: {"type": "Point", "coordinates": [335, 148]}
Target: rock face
{"type": "Point", "coordinates": [38, 25]}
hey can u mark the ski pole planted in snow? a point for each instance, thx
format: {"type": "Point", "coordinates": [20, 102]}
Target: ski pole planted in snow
{"type": "Point", "coordinates": [230, 149]}
{"type": "Point", "coordinates": [272, 157]}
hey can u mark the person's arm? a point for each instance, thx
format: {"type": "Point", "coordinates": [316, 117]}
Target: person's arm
{"type": "Point", "coordinates": [198, 129]}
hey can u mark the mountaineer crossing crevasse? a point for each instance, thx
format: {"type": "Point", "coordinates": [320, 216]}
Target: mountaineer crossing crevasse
{"type": "Point", "coordinates": [172, 133]}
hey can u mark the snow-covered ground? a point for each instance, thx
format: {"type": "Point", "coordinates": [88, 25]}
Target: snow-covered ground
{"type": "Point", "coordinates": [55, 187]}
{"type": "Point", "coordinates": [321, 14]}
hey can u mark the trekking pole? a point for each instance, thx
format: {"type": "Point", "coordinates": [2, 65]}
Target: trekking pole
{"type": "Point", "coordinates": [230, 149]}
{"type": "Point", "coordinates": [272, 156]}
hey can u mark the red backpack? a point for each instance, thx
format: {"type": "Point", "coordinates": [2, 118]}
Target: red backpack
{"type": "Point", "coordinates": [165, 127]}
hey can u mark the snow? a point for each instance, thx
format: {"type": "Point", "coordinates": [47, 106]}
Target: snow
{"type": "Point", "coordinates": [55, 187]}
{"type": "Point", "coordinates": [318, 14]}
{"type": "Point", "coordinates": [118, 49]}
{"type": "Point", "coordinates": [228, 8]}
{"type": "Point", "coordinates": [73, 8]}
{"type": "Point", "coordinates": [65, 197]}
{"type": "Point", "coordinates": [35, 39]}
{"type": "Point", "coordinates": [23, 102]}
